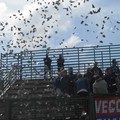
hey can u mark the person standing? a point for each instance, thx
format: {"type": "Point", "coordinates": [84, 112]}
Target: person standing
{"type": "Point", "coordinates": [96, 68]}
{"type": "Point", "coordinates": [47, 66]}
{"type": "Point", "coordinates": [118, 83]}
{"type": "Point", "coordinates": [60, 63]}
{"type": "Point", "coordinates": [82, 86]}
{"type": "Point", "coordinates": [100, 85]}
{"type": "Point", "coordinates": [110, 79]}
{"type": "Point", "coordinates": [115, 68]}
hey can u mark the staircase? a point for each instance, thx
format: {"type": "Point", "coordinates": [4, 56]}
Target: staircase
{"type": "Point", "coordinates": [36, 100]}
{"type": "Point", "coordinates": [30, 88]}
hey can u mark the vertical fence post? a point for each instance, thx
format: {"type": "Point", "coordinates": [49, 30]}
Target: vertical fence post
{"type": "Point", "coordinates": [18, 72]}
{"type": "Point", "coordinates": [78, 60]}
{"type": "Point", "coordinates": [1, 67]}
{"type": "Point", "coordinates": [110, 54]}
{"type": "Point", "coordinates": [84, 67]}
{"type": "Point", "coordinates": [6, 63]}
{"type": "Point", "coordinates": [31, 63]}
{"type": "Point", "coordinates": [0, 60]}
{"type": "Point", "coordinates": [94, 54]}
{"type": "Point", "coordinates": [20, 65]}
{"type": "Point", "coordinates": [102, 61]}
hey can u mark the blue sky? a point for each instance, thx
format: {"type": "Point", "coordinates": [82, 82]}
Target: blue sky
{"type": "Point", "coordinates": [42, 24]}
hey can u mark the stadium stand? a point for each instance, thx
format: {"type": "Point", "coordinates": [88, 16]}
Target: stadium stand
{"type": "Point", "coordinates": [29, 97]}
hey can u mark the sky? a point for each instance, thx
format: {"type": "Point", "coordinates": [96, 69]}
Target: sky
{"type": "Point", "coordinates": [53, 24]}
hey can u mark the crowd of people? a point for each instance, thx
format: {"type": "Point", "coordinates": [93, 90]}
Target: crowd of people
{"type": "Point", "coordinates": [93, 81]}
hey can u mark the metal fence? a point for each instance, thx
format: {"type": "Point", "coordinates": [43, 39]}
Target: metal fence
{"type": "Point", "coordinates": [32, 65]}
{"type": "Point", "coordinates": [99, 107]}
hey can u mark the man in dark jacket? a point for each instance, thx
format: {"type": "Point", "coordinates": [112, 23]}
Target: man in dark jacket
{"type": "Point", "coordinates": [47, 65]}
{"type": "Point", "coordinates": [82, 86]}
{"type": "Point", "coordinates": [60, 63]}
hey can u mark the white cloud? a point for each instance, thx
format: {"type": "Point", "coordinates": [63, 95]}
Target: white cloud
{"type": "Point", "coordinates": [65, 25]}
{"type": "Point", "coordinates": [14, 5]}
{"type": "Point", "coordinates": [3, 10]}
{"type": "Point", "coordinates": [72, 41]}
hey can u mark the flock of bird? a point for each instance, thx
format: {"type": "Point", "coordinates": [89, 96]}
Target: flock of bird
{"type": "Point", "coordinates": [30, 34]}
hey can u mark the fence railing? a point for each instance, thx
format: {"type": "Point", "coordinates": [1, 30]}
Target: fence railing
{"type": "Point", "coordinates": [99, 107]}
{"type": "Point", "coordinates": [49, 108]}
{"type": "Point", "coordinates": [32, 64]}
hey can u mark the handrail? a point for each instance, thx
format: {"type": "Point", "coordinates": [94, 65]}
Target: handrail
{"type": "Point", "coordinates": [9, 79]}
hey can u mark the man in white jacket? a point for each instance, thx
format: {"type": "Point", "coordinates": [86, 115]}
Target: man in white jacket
{"type": "Point", "coordinates": [100, 85]}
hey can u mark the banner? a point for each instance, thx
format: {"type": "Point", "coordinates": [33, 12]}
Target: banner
{"type": "Point", "coordinates": [107, 108]}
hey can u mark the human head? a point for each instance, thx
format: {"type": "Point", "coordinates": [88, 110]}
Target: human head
{"type": "Point", "coordinates": [78, 75]}
{"type": "Point", "coordinates": [70, 70]}
{"type": "Point", "coordinates": [46, 55]}
{"type": "Point", "coordinates": [114, 62]}
{"type": "Point", "coordinates": [60, 56]}
{"type": "Point", "coordinates": [96, 76]}
{"type": "Point", "coordinates": [95, 64]}
{"type": "Point", "coordinates": [63, 73]}
{"type": "Point", "coordinates": [108, 71]}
